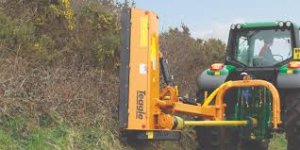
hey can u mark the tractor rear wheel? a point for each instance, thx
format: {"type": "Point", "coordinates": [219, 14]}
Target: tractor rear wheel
{"type": "Point", "coordinates": [215, 138]}
{"type": "Point", "coordinates": [224, 138]}
{"type": "Point", "coordinates": [253, 145]}
{"type": "Point", "coordinates": [292, 122]}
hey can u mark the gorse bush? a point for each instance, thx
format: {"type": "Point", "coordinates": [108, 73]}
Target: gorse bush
{"type": "Point", "coordinates": [62, 32]}
{"type": "Point", "coordinates": [103, 26]}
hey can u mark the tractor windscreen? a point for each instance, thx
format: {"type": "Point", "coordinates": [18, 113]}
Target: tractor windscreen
{"type": "Point", "coordinates": [261, 48]}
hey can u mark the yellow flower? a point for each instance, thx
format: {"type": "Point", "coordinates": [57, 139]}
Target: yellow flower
{"type": "Point", "coordinates": [69, 15]}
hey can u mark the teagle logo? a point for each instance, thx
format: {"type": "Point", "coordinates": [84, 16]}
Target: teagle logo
{"type": "Point", "coordinates": [140, 112]}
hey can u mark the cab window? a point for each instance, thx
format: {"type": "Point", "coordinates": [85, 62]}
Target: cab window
{"type": "Point", "coordinates": [260, 48]}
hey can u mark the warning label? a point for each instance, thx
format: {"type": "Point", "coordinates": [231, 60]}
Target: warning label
{"type": "Point", "coordinates": [296, 53]}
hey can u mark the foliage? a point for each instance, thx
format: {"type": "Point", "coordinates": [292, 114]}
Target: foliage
{"type": "Point", "coordinates": [58, 33]}
{"type": "Point", "coordinates": [189, 56]}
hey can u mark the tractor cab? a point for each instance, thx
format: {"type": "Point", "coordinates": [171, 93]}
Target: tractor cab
{"type": "Point", "coordinates": [262, 45]}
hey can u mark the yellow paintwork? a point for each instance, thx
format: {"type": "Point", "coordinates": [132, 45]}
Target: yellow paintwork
{"type": "Point", "coordinates": [144, 65]}
{"type": "Point", "coordinates": [144, 21]}
{"type": "Point", "coordinates": [150, 134]}
{"type": "Point", "coordinates": [216, 123]}
{"type": "Point", "coordinates": [290, 71]}
{"type": "Point", "coordinates": [296, 53]}
{"type": "Point", "coordinates": [217, 73]}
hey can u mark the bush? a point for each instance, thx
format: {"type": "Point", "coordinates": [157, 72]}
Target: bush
{"type": "Point", "coordinates": [189, 56]}
{"type": "Point", "coordinates": [55, 33]}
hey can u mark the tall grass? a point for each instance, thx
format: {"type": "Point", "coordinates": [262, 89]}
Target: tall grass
{"type": "Point", "coordinates": [21, 133]}
{"type": "Point", "coordinates": [278, 142]}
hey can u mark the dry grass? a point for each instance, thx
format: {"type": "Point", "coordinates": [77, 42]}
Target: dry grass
{"type": "Point", "coordinates": [75, 93]}
{"type": "Point", "coordinates": [82, 100]}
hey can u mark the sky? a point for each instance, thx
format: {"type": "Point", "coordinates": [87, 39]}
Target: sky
{"type": "Point", "coordinates": [212, 18]}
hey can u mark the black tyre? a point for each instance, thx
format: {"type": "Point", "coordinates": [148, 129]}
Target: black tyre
{"type": "Point", "coordinates": [215, 138]}
{"type": "Point", "coordinates": [253, 145]}
{"type": "Point", "coordinates": [292, 117]}
{"type": "Point", "coordinates": [222, 138]}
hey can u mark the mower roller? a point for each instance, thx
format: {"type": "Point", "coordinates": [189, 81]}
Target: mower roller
{"type": "Point", "coordinates": [148, 110]}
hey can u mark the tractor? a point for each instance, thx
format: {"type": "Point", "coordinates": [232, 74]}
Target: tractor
{"type": "Point", "coordinates": [239, 102]}
{"type": "Point", "coordinates": [268, 51]}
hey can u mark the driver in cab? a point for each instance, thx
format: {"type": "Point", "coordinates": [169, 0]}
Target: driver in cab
{"type": "Point", "coordinates": [266, 51]}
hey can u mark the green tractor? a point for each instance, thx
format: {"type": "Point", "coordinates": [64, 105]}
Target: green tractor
{"type": "Point", "coordinates": [268, 51]}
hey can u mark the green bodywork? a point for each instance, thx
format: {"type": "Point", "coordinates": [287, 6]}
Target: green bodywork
{"type": "Point", "coordinates": [254, 103]}
{"type": "Point", "coordinates": [260, 24]}
{"type": "Point", "coordinates": [264, 24]}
